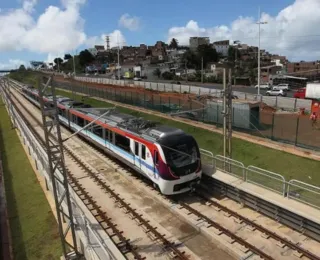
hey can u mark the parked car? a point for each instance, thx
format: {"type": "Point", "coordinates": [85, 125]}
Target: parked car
{"type": "Point", "coordinates": [263, 86]}
{"type": "Point", "coordinates": [282, 87]}
{"type": "Point", "coordinates": [137, 79]}
{"type": "Point", "coordinates": [274, 92]}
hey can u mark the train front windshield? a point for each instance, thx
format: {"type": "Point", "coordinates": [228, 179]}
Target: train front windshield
{"type": "Point", "coordinates": [182, 154]}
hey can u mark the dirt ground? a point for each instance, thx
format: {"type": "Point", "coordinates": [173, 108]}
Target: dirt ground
{"type": "Point", "coordinates": [285, 127]}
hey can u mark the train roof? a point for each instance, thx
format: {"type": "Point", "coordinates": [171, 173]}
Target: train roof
{"type": "Point", "coordinates": [145, 128]}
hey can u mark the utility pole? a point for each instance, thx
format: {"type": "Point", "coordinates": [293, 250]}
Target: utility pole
{"type": "Point", "coordinates": [74, 65]}
{"type": "Point", "coordinates": [186, 70]}
{"type": "Point", "coordinates": [224, 113]}
{"type": "Point", "coordinates": [227, 114]}
{"type": "Point", "coordinates": [202, 69]}
{"type": "Point", "coordinates": [229, 117]}
{"type": "Point", "coordinates": [118, 57]}
{"type": "Point", "coordinates": [57, 170]}
{"type": "Point", "coordinates": [259, 24]}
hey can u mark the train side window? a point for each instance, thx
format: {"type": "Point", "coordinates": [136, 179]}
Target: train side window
{"type": "Point", "coordinates": [81, 122]}
{"type": "Point", "coordinates": [143, 152]}
{"type": "Point", "coordinates": [97, 130]}
{"type": "Point", "coordinates": [136, 148]}
{"type": "Point", "coordinates": [156, 157]}
{"type": "Point", "coordinates": [111, 137]}
{"type": "Point", "coordinates": [122, 142]}
{"type": "Point", "coordinates": [107, 137]}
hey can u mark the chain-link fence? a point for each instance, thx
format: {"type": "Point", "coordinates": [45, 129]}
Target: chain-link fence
{"type": "Point", "coordinates": [248, 117]}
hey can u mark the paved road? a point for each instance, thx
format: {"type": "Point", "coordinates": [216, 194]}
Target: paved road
{"type": "Point", "coordinates": [240, 88]}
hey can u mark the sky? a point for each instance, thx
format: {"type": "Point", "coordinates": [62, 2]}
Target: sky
{"type": "Point", "coordinates": [42, 30]}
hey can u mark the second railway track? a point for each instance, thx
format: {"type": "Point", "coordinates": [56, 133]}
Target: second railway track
{"type": "Point", "coordinates": [241, 241]}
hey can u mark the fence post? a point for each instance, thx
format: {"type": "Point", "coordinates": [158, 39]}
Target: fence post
{"type": "Point", "coordinates": [169, 103]}
{"type": "Point", "coordinates": [272, 126]}
{"type": "Point", "coordinates": [295, 105]}
{"type": "Point", "coordinates": [297, 131]}
{"type": "Point", "coordinates": [161, 105]}
{"type": "Point", "coordinates": [171, 87]}
{"type": "Point", "coordinates": [157, 87]}
{"type": "Point", "coordinates": [276, 101]}
{"type": "Point", "coordinates": [131, 99]}
{"type": "Point", "coordinates": [180, 88]}
{"type": "Point", "coordinates": [189, 89]}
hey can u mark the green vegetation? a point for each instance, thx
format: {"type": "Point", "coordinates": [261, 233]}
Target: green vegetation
{"type": "Point", "coordinates": [33, 227]}
{"type": "Point", "coordinates": [290, 166]}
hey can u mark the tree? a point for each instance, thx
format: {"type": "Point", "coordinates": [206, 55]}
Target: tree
{"type": "Point", "coordinates": [22, 67]}
{"type": "Point", "coordinates": [58, 60]}
{"type": "Point", "coordinates": [173, 44]}
{"type": "Point", "coordinates": [67, 56]}
{"type": "Point", "coordinates": [190, 60]}
{"type": "Point", "coordinates": [168, 75]}
{"type": "Point", "coordinates": [208, 54]}
{"type": "Point", "coordinates": [233, 54]}
{"type": "Point", "coordinates": [85, 57]}
{"type": "Point", "coordinates": [157, 72]}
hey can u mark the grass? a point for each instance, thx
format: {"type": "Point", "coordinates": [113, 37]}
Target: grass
{"type": "Point", "coordinates": [33, 227]}
{"type": "Point", "coordinates": [288, 165]}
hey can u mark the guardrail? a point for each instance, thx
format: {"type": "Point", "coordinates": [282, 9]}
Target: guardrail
{"type": "Point", "coordinates": [293, 189]}
{"type": "Point", "coordinates": [291, 104]}
{"type": "Point", "coordinates": [95, 243]}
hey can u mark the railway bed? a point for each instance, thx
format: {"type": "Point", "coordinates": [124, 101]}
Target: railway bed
{"type": "Point", "coordinates": [241, 241]}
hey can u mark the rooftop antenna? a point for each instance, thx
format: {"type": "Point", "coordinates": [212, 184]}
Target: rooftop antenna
{"type": "Point", "coordinates": [108, 42]}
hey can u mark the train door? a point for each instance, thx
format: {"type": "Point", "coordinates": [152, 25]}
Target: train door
{"type": "Point", "coordinates": [137, 160]}
{"type": "Point", "coordinates": [143, 159]}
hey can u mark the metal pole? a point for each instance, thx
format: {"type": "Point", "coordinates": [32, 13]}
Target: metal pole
{"type": "Point", "coordinates": [235, 64]}
{"type": "Point", "coordinates": [186, 70]}
{"type": "Point", "coordinates": [259, 54]}
{"type": "Point", "coordinates": [201, 69]}
{"type": "Point", "coordinates": [224, 113]}
{"type": "Point", "coordinates": [229, 121]}
{"type": "Point", "coordinates": [118, 58]}
{"type": "Point", "coordinates": [74, 65]}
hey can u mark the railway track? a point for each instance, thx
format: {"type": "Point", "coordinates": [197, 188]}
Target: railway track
{"type": "Point", "coordinates": [256, 226]}
{"type": "Point", "coordinates": [193, 211]}
{"type": "Point", "coordinates": [123, 244]}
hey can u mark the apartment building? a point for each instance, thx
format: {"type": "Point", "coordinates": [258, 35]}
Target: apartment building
{"type": "Point", "coordinates": [195, 42]}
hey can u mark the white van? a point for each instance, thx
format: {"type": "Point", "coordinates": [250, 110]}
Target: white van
{"type": "Point", "coordinates": [263, 86]}
{"type": "Point", "coordinates": [282, 86]}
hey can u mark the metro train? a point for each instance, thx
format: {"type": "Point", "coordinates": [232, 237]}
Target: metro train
{"type": "Point", "coordinates": [167, 156]}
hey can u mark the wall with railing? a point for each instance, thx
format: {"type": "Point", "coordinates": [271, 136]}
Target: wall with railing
{"type": "Point", "coordinates": [291, 189]}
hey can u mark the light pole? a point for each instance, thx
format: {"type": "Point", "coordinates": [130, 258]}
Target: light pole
{"type": "Point", "coordinates": [236, 43]}
{"type": "Point", "coordinates": [259, 23]}
{"type": "Point", "coordinates": [202, 70]}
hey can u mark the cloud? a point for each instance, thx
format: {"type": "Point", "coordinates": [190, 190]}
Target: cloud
{"type": "Point", "coordinates": [56, 30]}
{"type": "Point", "coordinates": [115, 37]}
{"type": "Point", "coordinates": [13, 64]}
{"type": "Point", "coordinates": [131, 23]}
{"type": "Point", "coordinates": [294, 31]}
